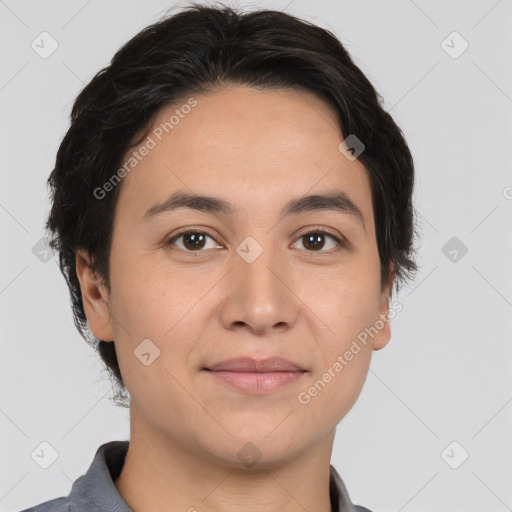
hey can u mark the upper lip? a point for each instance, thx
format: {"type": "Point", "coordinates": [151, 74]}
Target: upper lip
{"type": "Point", "coordinates": [248, 364]}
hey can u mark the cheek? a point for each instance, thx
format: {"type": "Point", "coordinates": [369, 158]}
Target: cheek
{"type": "Point", "coordinates": [330, 394]}
{"type": "Point", "coordinates": [151, 297]}
{"type": "Point", "coordinates": [148, 304]}
{"type": "Point", "coordinates": [346, 303]}
{"type": "Point", "coordinates": [347, 306]}
{"type": "Point", "coordinates": [166, 401]}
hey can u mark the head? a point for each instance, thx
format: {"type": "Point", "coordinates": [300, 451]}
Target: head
{"type": "Point", "coordinates": [251, 110]}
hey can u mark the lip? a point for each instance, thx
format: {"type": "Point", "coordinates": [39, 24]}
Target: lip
{"type": "Point", "coordinates": [253, 376]}
{"type": "Point", "coordinates": [248, 364]}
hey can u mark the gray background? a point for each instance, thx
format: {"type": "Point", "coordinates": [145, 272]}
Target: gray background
{"type": "Point", "coordinates": [446, 374]}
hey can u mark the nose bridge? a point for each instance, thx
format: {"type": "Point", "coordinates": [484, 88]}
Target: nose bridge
{"type": "Point", "coordinates": [259, 262]}
{"type": "Point", "coordinates": [259, 295]}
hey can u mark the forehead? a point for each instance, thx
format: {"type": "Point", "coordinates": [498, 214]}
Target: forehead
{"type": "Point", "coordinates": [249, 146]}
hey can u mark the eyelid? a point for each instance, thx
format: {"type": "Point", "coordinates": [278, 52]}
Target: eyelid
{"type": "Point", "coordinates": [340, 239]}
{"type": "Point", "coordinates": [320, 229]}
{"type": "Point", "coordinates": [190, 229]}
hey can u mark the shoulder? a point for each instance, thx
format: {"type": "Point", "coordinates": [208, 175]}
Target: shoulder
{"type": "Point", "coordinates": [95, 488]}
{"type": "Point", "coordinates": [55, 505]}
{"type": "Point", "coordinates": [359, 508]}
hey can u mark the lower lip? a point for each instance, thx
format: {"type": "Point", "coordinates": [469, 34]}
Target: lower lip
{"type": "Point", "coordinates": [255, 383]}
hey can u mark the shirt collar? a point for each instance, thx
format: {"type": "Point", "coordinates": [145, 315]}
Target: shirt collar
{"type": "Point", "coordinates": [96, 487]}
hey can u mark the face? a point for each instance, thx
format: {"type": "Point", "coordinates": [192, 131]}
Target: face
{"type": "Point", "coordinates": [254, 281]}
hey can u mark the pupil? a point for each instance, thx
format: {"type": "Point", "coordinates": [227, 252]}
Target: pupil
{"type": "Point", "coordinates": [313, 239]}
{"type": "Point", "coordinates": [199, 240]}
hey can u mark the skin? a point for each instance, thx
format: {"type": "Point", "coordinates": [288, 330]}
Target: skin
{"type": "Point", "coordinates": [256, 149]}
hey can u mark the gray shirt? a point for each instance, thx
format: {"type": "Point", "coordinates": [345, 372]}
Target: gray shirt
{"type": "Point", "coordinates": [95, 490]}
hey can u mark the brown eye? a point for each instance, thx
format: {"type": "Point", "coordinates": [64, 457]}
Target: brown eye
{"type": "Point", "coordinates": [315, 241]}
{"type": "Point", "coordinates": [193, 240]}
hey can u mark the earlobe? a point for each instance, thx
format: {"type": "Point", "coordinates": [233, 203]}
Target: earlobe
{"type": "Point", "coordinates": [381, 339]}
{"type": "Point", "coordinates": [94, 298]}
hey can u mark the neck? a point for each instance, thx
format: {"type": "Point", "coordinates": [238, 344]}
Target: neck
{"type": "Point", "coordinates": [162, 474]}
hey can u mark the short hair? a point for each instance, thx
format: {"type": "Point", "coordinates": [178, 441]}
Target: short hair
{"type": "Point", "coordinates": [202, 49]}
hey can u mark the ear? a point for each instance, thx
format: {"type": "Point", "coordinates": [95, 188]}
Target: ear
{"type": "Point", "coordinates": [95, 298]}
{"type": "Point", "coordinates": [381, 339]}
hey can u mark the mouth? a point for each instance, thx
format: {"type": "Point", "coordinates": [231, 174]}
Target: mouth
{"type": "Point", "coordinates": [249, 364]}
{"type": "Point", "coordinates": [252, 376]}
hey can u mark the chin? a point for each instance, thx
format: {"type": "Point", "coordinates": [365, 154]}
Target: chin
{"type": "Point", "coordinates": [255, 450]}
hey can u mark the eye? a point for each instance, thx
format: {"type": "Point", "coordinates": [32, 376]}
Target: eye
{"type": "Point", "coordinates": [315, 240]}
{"type": "Point", "coordinates": [193, 238]}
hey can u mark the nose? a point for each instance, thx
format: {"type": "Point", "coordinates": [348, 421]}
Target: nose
{"type": "Point", "coordinates": [259, 295]}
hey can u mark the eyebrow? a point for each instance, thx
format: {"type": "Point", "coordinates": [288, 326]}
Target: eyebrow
{"type": "Point", "coordinates": [335, 201]}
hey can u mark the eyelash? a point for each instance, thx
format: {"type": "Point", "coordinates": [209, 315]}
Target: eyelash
{"type": "Point", "coordinates": [187, 231]}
